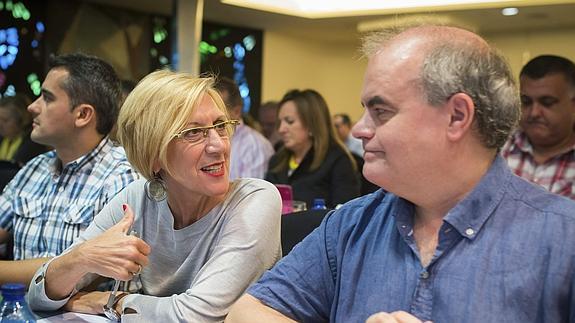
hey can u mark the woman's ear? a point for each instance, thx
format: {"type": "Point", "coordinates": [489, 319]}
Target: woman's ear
{"type": "Point", "coordinates": [156, 167]}
{"type": "Point", "coordinates": [462, 111]}
{"type": "Point", "coordinates": [85, 113]}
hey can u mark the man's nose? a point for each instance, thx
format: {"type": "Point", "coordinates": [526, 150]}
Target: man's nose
{"type": "Point", "coordinates": [363, 128]}
{"type": "Point", "coordinates": [535, 110]}
{"type": "Point", "coordinates": [32, 108]}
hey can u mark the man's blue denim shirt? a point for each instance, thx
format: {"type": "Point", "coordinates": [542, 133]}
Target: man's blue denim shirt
{"type": "Point", "coordinates": [506, 253]}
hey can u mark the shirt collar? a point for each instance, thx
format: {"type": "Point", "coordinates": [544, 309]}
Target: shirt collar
{"type": "Point", "coordinates": [520, 142]}
{"type": "Point", "coordinates": [469, 215]}
{"type": "Point", "coordinates": [100, 150]}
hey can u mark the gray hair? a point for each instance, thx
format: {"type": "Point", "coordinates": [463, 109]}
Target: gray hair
{"type": "Point", "coordinates": [455, 66]}
{"type": "Point", "coordinates": [484, 75]}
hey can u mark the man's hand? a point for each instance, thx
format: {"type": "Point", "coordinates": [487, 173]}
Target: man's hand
{"type": "Point", "coordinates": [395, 317]}
{"type": "Point", "coordinates": [87, 302]}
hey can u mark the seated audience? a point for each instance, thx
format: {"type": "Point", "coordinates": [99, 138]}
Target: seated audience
{"type": "Point", "coordinates": [202, 240]}
{"type": "Point", "coordinates": [55, 196]}
{"type": "Point", "coordinates": [342, 124]}
{"type": "Point", "coordinates": [15, 127]}
{"type": "Point", "coordinates": [543, 149]}
{"type": "Point", "coordinates": [267, 117]}
{"type": "Point", "coordinates": [16, 147]}
{"type": "Point", "coordinates": [458, 237]}
{"type": "Point", "coordinates": [251, 151]}
{"type": "Point", "coordinates": [312, 160]}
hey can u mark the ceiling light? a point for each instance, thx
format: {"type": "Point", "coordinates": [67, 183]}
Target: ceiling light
{"type": "Point", "coordinates": [509, 11]}
{"type": "Point", "coordinates": [342, 8]}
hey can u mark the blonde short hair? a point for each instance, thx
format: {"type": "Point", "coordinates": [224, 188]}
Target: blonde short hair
{"type": "Point", "coordinates": [159, 107]}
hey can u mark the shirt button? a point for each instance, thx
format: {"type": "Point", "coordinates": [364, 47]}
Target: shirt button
{"type": "Point", "coordinates": [424, 274]}
{"type": "Point", "coordinates": [469, 232]}
{"type": "Point", "coordinates": [61, 189]}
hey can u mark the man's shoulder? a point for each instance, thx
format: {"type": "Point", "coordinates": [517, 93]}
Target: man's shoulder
{"type": "Point", "coordinates": [40, 164]}
{"type": "Point", "coordinates": [249, 135]}
{"type": "Point", "coordinates": [374, 207]}
{"type": "Point", "coordinates": [115, 160]}
{"type": "Point", "coordinates": [539, 200]}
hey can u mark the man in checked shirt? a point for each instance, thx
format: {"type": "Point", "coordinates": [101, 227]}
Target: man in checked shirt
{"type": "Point", "coordinates": [57, 194]}
{"type": "Point", "coordinates": [543, 150]}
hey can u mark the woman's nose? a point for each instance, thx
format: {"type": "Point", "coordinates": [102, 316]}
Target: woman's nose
{"type": "Point", "coordinates": [282, 128]}
{"type": "Point", "coordinates": [214, 142]}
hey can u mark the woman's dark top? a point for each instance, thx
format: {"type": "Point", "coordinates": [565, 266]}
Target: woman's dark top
{"type": "Point", "coordinates": [335, 180]}
{"type": "Point", "coordinates": [27, 150]}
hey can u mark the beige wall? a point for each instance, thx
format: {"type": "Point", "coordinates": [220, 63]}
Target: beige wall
{"type": "Point", "coordinates": [520, 47]}
{"type": "Point", "coordinates": [335, 70]}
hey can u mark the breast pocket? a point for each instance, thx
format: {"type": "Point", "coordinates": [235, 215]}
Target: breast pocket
{"type": "Point", "coordinates": [28, 227]}
{"type": "Point", "coordinates": [27, 208]}
{"type": "Point", "coordinates": [81, 215]}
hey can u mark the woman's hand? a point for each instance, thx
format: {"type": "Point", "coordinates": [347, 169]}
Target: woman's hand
{"type": "Point", "coordinates": [395, 317]}
{"type": "Point", "coordinates": [114, 253]}
{"type": "Point", "coordinates": [87, 302]}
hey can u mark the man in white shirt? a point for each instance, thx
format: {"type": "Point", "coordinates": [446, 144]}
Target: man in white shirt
{"type": "Point", "coordinates": [251, 151]}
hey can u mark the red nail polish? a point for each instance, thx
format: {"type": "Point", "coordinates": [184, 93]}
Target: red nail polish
{"type": "Point", "coordinates": [124, 206]}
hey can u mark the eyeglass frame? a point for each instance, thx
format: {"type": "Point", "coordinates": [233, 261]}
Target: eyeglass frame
{"type": "Point", "coordinates": [206, 130]}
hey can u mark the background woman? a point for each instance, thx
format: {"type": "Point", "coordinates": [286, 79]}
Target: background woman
{"type": "Point", "coordinates": [202, 240]}
{"type": "Point", "coordinates": [15, 126]}
{"type": "Point", "coordinates": [16, 147]}
{"type": "Point", "coordinates": [312, 160]}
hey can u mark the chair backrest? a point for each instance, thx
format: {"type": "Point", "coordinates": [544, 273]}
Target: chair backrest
{"type": "Point", "coordinates": [296, 226]}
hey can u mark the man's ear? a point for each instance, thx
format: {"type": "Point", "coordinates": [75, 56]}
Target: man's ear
{"type": "Point", "coordinates": [85, 113]}
{"type": "Point", "coordinates": [462, 111]}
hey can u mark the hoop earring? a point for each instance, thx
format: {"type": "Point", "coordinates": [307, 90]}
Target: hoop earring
{"type": "Point", "coordinates": [156, 189]}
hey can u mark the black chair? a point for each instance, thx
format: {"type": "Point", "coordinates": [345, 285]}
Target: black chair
{"type": "Point", "coordinates": [296, 226]}
{"type": "Point", "coordinates": [366, 186]}
{"type": "Point", "coordinates": [7, 171]}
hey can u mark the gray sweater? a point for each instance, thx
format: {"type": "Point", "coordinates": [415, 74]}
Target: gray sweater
{"type": "Point", "coordinates": [196, 273]}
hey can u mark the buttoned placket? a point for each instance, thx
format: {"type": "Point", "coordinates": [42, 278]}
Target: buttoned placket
{"type": "Point", "coordinates": [422, 301]}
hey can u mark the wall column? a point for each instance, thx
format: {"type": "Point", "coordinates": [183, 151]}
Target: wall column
{"type": "Point", "coordinates": [189, 15]}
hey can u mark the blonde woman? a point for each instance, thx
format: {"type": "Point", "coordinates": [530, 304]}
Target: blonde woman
{"type": "Point", "coordinates": [202, 240]}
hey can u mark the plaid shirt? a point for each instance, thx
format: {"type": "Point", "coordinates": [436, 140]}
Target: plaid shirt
{"type": "Point", "coordinates": [556, 175]}
{"type": "Point", "coordinates": [46, 206]}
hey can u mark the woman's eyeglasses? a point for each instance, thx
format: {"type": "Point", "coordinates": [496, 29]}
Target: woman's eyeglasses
{"type": "Point", "coordinates": [197, 134]}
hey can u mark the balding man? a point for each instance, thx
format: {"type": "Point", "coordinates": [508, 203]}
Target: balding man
{"type": "Point", "coordinates": [457, 237]}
